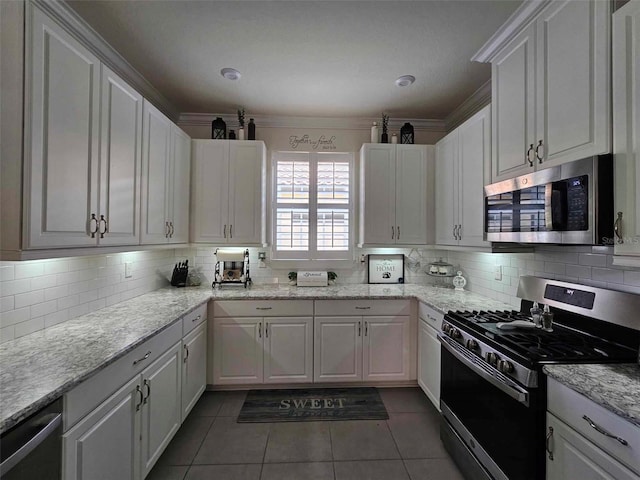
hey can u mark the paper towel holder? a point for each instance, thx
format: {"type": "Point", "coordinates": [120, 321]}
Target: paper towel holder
{"type": "Point", "coordinates": [232, 268]}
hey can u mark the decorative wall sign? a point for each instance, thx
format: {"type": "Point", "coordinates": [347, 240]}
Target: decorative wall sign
{"type": "Point", "coordinates": [307, 142]}
{"type": "Point", "coordinates": [386, 268]}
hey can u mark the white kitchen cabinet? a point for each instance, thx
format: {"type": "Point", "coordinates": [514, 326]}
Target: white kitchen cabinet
{"type": "Point", "coordinates": [362, 341]}
{"type": "Point", "coordinates": [429, 353]}
{"type": "Point", "coordinates": [120, 162]}
{"type": "Point", "coordinates": [395, 194]}
{"type": "Point", "coordinates": [228, 197]}
{"type": "Point", "coordinates": [626, 128]}
{"type": "Point", "coordinates": [550, 87]}
{"type": "Point", "coordinates": [274, 347]}
{"type": "Point", "coordinates": [161, 407]}
{"type": "Point", "coordinates": [194, 367]}
{"type": "Point", "coordinates": [165, 175]}
{"type": "Point", "coordinates": [462, 169]}
{"type": "Point", "coordinates": [62, 135]}
{"type": "Point", "coordinates": [106, 443]}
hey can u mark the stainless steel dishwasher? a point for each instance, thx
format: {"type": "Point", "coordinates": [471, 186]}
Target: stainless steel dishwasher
{"type": "Point", "coordinates": [32, 450]}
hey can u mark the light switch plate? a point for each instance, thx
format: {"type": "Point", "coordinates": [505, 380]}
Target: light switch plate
{"type": "Point", "coordinates": [498, 273]}
{"type": "Point", "coordinates": [128, 270]}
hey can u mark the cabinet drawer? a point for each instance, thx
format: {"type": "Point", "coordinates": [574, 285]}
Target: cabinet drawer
{"type": "Point", "coordinates": [192, 319]}
{"type": "Point", "coordinates": [90, 393]}
{"type": "Point", "coordinates": [262, 308]}
{"type": "Point", "coordinates": [430, 316]}
{"type": "Point", "coordinates": [570, 406]}
{"type": "Point", "coordinates": [363, 307]}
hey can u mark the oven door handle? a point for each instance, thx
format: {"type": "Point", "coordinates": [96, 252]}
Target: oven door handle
{"type": "Point", "coordinates": [508, 387]}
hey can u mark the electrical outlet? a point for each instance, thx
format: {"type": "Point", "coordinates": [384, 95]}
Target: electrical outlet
{"type": "Point", "coordinates": [128, 270]}
{"type": "Point", "coordinates": [498, 273]}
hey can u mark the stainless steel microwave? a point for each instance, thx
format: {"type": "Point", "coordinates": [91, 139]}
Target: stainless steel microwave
{"type": "Point", "coordinates": [567, 204]}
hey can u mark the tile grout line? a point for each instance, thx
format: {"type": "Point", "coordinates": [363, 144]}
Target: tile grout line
{"type": "Point", "coordinates": [395, 442]}
{"type": "Point", "coordinates": [333, 460]}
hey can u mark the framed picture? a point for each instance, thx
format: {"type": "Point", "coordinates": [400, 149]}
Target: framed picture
{"type": "Point", "coordinates": [386, 268]}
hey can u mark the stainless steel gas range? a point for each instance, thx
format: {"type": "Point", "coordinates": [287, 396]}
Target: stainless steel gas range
{"type": "Point", "coordinates": [493, 391]}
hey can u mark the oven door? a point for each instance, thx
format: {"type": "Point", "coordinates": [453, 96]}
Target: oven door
{"type": "Point", "coordinates": [499, 422]}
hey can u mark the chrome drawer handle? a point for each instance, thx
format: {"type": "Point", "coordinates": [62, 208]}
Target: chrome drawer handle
{"type": "Point", "coordinates": [363, 308]}
{"type": "Point", "coordinates": [146, 383]}
{"type": "Point", "coordinates": [601, 430]}
{"type": "Point", "coordinates": [138, 405]}
{"type": "Point", "coordinates": [146, 355]}
{"type": "Point", "coordinates": [527, 155]}
{"type": "Point", "coordinates": [196, 319]}
{"type": "Point", "coordinates": [549, 437]}
{"type": "Point", "coordinates": [264, 308]}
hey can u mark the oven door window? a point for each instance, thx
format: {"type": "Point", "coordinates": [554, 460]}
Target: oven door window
{"type": "Point", "coordinates": [509, 431]}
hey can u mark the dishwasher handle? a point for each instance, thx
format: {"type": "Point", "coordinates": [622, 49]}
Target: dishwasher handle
{"type": "Point", "coordinates": [54, 420]}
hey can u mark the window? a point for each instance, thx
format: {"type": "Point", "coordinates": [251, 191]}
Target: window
{"type": "Point", "coordinates": [312, 205]}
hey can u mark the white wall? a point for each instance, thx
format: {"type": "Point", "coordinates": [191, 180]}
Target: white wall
{"type": "Point", "coordinates": [38, 294]}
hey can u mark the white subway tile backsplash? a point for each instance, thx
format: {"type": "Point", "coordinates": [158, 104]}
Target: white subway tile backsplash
{"type": "Point", "coordinates": [608, 275]}
{"type": "Point", "coordinates": [6, 272]}
{"type": "Point", "coordinates": [56, 266]}
{"type": "Point", "coordinates": [56, 292]}
{"type": "Point", "coordinates": [13, 287]}
{"type": "Point", "coordinates": [56, 318]}
{"type": "Point", "coordinates": [44, 308]}
{"type": "Point", "coordinates": [7, 333]}
{"type": "Point", "coordinates": [579, 271]}
{"type": "Point", "coordinates": [632, 277]}
{"type": "Point", "coordinates": [30, 326]}
{"type": "Point", "coordinates": [45, 281]}
{"type": "Point", "coordinates": [12, 317]}
{"type": "Point", "coordinates": [28, 269]}
{"type": "Point", "coordinates": [29, 298]}
{"type": "Point", "coordinates": [555, 268]}
{"type": "Point", "coordinates": [593, 259]}
{"type": "Point", "coordinates": [7, 303]}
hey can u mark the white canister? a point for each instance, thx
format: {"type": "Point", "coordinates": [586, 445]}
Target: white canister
{"type": "Point", "coordinates": [374, 133]}
{"type": "Point", "coordinates": [394, 138]}
{"type": "Point", "coordinates": [241, 133]}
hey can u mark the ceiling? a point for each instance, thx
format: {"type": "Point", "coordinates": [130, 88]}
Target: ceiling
{"type": "Point", "coordinates": [305, 58]}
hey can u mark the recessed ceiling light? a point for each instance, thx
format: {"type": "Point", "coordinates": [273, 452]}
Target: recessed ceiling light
{"type": "Point", "coordinates": [230, 74]}
{"type": "Point", "coordinates": [405, 80]}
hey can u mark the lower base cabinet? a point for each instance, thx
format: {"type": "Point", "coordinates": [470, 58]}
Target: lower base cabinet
{"type": "Point", "coordinates": [194, 367]}
{"type": "Point", "coordinates": [429, 324]}
{"type": "Point", "coordinates": [125, 435]}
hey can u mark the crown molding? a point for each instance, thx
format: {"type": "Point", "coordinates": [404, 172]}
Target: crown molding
{"type": "Point", "coordinates": [522, 17]}
{"type": "Point", "coordinates": [284, 121]}
{"type": "Point", "coordinates": [92, 40]}
{"type": "Point", "coordinates": [477, 101]}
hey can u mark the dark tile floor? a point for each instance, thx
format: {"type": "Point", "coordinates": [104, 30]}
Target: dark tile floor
{"type": "Point", "coordinates": [211, 445]}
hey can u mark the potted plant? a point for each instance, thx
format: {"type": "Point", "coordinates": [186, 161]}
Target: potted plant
{"type": "Point", "coordinates": [332, 276]}
{"type": "Point", "coordinates": [384, 138]}
{"type": "Point", "coordinates": [293, 278]}
{"type": "Point", "coordinates": [241, 123]}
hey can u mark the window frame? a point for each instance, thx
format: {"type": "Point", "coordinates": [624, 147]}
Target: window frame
{"type": "Point", "coordinates": [312, 255]}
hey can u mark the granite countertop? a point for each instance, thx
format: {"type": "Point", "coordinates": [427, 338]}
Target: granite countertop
{"type": "Point", "coordinates": [616, 387]}
{"type": "Point", "coordinates": [40, 367]}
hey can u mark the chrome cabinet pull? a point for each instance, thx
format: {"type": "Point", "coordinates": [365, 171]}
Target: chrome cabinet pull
{"type": "Point", "coordinates": [224, 233]}
{"type": "Point", "coordinates": [106, 226]}
{"type": "Point", "coordinates": [601, 430]}
{"type": "Point", "coordinates": [363, 308]}
{"type": "Point", "coordinates": [146, 355]}
{"type": "Point", "coordinates": [93, 231]}
{"type": "Point", "coordinates": [366, 328]}
{"type": "Point", "coordinates": [538, 156]}
{"type": "Point", "coordinates": [197, 318]}
{"type": "Point", "coordinates": [548, 442]}
{"type": "Point", "coordinates": [230, 231]}
{"type": "Point", "coordinates": [398, 228]}
{"type": "Point", "coordinates": [260, 330]}
{"type": "Point", "coordinates": [460, 232]}
{"type": "Point", "coordinates": [147, 383]}
{"type": "Point", "coordinates": [138, 405]}
{"type": "Point", "coordinates": [166, 230]}
{"type": "Point", "coordinates": [453, 232]}
{"type": "Point", "coordinates": [186, 353]}
{"type": "Point", "coordinates": [264, 308]}
{"type": "Point", "coordinates": [617, 228]}
{"type": "Point", "coordinates": [171, 230]}
{"type": "Point", "coordinates": [528, 154]}
{"type": "Point", "coordinates": [266, 329]}
{"type": "Point", "coordinates": [393, 233]}
{"type": "Point", "coordinates": [359, 329]}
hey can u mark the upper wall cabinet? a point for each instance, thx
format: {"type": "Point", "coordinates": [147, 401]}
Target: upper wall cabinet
{"type": "Point", "coordinates": [228, 194]}
{"type": "Point", "coordinates": [396, 194]}
{"type": "Point", "coordinates": [84, 146]}
{"type": "Point", "coordinates": [626, 129]}
{"type": "Point", "coordinates": [462, 164]}
{"type": "Point", "coordinates": [550, 86]}
{"type": "Point", "coordinates": [165, 179]}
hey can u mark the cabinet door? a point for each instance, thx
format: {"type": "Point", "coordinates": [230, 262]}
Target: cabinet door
{"type": "Point", "coordinates": [573, 81]}
{"type": "Point", "coordinates": [576, 457]}
{"type": "Point", "coordinates": [337, 352]}
{"type": "Point", "coordinates": [288, 350]}
{"type": "Point", "coordinates": [210, 191]}
{"type": "Point", "coordinates": [411, 194]}
{"type": "Point", "coordinates": [161, 411]}
{"type": "Point", "coordinates": [179, 182]}
{"type": "Point", "coordinates": [120, 161]}
{"type": "Point", "coordinates": [194, 367]}
{"type": "Point", "coordinates": [386, 348]}
{"type": "Point", "coordinates": [513, 106]}
{"type": "Point", "coordinates": [246, 212]}
{"type": "Point", "coordinates": [237, 350]}
{"type": "Point", "coordinates": [378, 194]}
{"type": "Point", "coordinates": [446, 189]}
{"type": "Point", "coordinates": [156, 157]}
{"type": "Point", "coordinates": [429, 363]}
{"type": "Point", "coordinates": [474, 155]}
{"type": "Point", "coordinates": [626, 124]}
{"type": "Point", "coordinates": [63, 137]}
{"type": "Point", "coordinates": [106, 443]}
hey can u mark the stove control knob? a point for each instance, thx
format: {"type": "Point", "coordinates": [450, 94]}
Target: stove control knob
{"type": "Point", "coordinates": [505, 366]}
{"type": "Point", "coordinates": [491, 358]}
{"type": "Point", "coordinates": [471, 344]}
{"type": "Point", "coordinates": [455, 333]}
{"type": "Point", "coordinates": [446, 328]}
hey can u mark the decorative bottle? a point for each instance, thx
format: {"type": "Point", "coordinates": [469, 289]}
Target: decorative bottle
{"type": "Point", "coordinates": [241, 133]}
{"type": "Point", "coordinates": [394, 138]}
{"type": "Point", "coordinates": [232, 135]}
{"type": "Point", "coordinates": [252, 130]}
{"type": "Point", "coordinates": [374, 133]}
